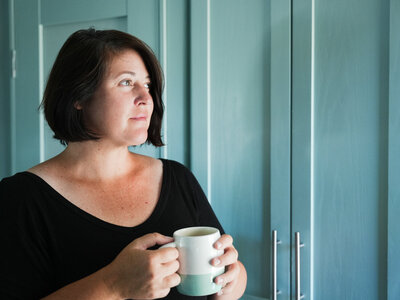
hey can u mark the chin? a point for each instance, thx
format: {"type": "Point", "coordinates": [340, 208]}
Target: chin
{"type": "Point", "coordinates": [138, 140]}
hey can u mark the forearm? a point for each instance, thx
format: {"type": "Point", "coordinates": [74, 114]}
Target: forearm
{"type": "Point", "coordinates": [91, 287]}
{"type": "Point", "coordinates": [239, 287]}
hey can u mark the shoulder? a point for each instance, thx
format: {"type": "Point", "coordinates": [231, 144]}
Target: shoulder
{"type": "Point", "coordinates": [16, 191]}
{"type": "Point", "coordinates": [173, 164]}
{"type": "Point", "coordinates": [182, 175]}
{"type": "Point", "coordinates": [16, 182]}
{"type": "Point", "coordinates": [176, 168]}
{"type": "Point", "coordinates": [47, 170]}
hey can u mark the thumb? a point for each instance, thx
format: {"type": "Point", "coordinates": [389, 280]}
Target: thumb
{"type": "Point", "coordinates": [150, 240]}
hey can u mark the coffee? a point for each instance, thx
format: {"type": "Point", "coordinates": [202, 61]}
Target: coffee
{"type": "Point", "coordinates": [197, 231]}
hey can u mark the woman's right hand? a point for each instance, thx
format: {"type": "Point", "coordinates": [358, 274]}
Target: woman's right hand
{"type": "Point", "coordinates": [139, 273]}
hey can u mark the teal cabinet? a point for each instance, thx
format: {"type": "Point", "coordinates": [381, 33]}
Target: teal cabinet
{"type": "Point", "coordinates": [287, 112]}
{"type": "Point", "coordinates": [344, 148]}
{"type": "Point", "coordinates": [393, 248]}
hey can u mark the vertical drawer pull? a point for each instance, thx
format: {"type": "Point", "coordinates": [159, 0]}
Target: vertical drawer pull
{"type": "Point", "coordinates": [298, 245]}
{"type": "Point", "coordinates": [275, 243]}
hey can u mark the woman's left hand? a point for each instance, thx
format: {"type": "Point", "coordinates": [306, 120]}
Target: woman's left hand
{"type": "Point", "coordinates": [229, 259]}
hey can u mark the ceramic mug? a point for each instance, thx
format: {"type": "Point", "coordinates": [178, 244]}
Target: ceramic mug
{"type": "Point", "coordinates": [195, 246]}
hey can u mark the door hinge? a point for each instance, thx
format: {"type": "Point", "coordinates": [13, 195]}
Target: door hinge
{"type": "Point", "coordinates": [13, 63]}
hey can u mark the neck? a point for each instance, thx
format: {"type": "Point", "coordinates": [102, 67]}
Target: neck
{"type": "Point", "coordinates": [96, 160]}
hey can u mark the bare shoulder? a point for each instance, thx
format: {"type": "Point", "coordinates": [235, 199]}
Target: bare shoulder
{"type": "Point", "coordinates": [52, 172]}
{"type": "Point", "coordinates": [44, 169]}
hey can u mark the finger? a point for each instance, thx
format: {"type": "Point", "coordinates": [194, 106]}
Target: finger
{"type": "Point", "coordinates": [170, 267]}
{"type": "Point", "coordinates": [150, 240]}
{"type": "Point", "coordinates": [172, 280]}
{"type": "Point", "coordinates": [223, 242]}
{"type": "Point", "coordinates": [161, 294]}
{"type": "Point", "coordinates": [229, 257]}
{"type": "Point", "coordinates": [166, 255]}
{"type": "Point", "coordinates": [227, 289]}
{"type": "Point", "coordinates": [231, 274]}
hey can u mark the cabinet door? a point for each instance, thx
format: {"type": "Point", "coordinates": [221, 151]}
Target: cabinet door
{"type": "Point", "coordinates": [393, 248]}
{"type": "Point", "coordinates": [340, 163]}
{"type": "Point", "coordinates": [230, 125]}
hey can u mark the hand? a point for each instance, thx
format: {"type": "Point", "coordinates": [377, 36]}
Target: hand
{"type": "Point", "coordinates": [138, 273]}
{"type": "Point", "coordinates": [229, 259]}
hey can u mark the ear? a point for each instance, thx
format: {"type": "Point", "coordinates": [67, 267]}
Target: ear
{"type": "Point", "coordinates": [78, 106]}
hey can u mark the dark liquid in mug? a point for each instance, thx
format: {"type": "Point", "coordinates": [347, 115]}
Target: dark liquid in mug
{"type": "Point", "coordinates": [199, 232]}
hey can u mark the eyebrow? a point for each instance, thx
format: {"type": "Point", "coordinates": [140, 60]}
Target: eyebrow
{"type": "Point", "coordinates": [130, 73]}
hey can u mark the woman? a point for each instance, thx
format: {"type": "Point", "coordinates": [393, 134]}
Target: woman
{"type": "Point", "coordinates": [87, 224]}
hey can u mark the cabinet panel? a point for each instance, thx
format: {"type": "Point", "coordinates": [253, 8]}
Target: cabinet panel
{"type": "Point", "coordinates": [240, 130]}
{"type": "Point", "coordinates": [230, 124]}
{"type": "Point", "coordinates": [76, 11]}
{"type": "Point", "coordinates": [340, 149]}
{"type": "Point", "coordinates": [350, 146]}
{"type": "Point", "coordinates": [393, 288]}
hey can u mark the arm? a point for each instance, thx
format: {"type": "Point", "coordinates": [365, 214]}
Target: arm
{"type": "Point", "coordinates": [93, 286]}
{"type": "Point", "coordinates": [135, 273]}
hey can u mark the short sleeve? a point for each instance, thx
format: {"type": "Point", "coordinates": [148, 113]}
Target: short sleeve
{"type": "Point", "coordinates": [25, 268]}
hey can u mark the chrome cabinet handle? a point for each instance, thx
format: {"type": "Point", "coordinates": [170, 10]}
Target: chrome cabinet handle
{"type": "Point", "coordinates": [275, 243]}
{"type": "Point", "coordinates": [298, 245]}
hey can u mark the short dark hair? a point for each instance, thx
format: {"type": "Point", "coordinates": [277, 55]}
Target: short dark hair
{"type": "Point", "coordinates": [77, 73]}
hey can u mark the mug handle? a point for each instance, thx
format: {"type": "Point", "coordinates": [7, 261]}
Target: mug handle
{"type": "Point", "coordinates": [169, 245]}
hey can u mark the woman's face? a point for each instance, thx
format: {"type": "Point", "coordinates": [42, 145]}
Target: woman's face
{"type": "Point", "coordinates": [121, 108]}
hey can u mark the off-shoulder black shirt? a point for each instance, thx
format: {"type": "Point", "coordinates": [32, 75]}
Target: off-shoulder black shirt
{"type": "Point", "coordinates": [48, 242]}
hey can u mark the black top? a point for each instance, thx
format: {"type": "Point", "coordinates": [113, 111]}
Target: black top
{"type": "Point", "coordinates": [48, 242]}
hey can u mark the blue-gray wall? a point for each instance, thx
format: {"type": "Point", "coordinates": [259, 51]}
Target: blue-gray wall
{"type": "Point", "coordinates": [4, 91]}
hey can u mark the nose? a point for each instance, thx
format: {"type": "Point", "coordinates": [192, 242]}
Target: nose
{"type": "Point", "coordinates": [142, 95]}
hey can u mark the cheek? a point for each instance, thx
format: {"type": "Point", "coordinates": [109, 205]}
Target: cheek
{"type": "Point", "coordinates": [101, 113]}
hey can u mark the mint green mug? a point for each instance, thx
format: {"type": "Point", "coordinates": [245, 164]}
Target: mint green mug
{"type": "Point", "coordinates": [195, 246]}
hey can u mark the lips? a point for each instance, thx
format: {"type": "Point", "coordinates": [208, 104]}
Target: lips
{"type": "Point", "coordinates": [139, 118]}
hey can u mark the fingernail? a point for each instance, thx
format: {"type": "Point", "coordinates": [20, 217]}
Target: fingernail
{"type": "Point", "coordinates": [216, 262]}
{"type": "Point", "coordinates": [220, 281]}
{"type": "Point", "coordinates": [220, 293]}
{"type": "Point", "coordinates": [218, 245]}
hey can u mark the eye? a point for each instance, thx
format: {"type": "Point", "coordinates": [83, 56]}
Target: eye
{"type": "Point", "coordinates": [126, 82]}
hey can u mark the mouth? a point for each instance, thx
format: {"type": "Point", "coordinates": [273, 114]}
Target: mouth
{"type": "Point", "coordinates": [139, 118]}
